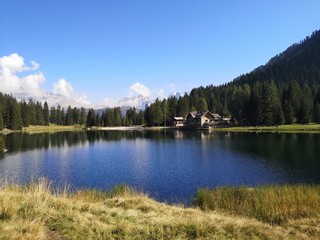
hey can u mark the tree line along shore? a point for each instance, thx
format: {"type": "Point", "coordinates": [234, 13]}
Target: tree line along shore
{"type": "Point", "coordinates": [33, 116]}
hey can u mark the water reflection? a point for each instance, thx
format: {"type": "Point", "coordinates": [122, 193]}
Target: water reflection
{"type": "Point", "coordinates": [168, 164]}
{"type": "Point", "coordinates": [296, 152]}
{"type": "Point", "coordinates": [24, 141]}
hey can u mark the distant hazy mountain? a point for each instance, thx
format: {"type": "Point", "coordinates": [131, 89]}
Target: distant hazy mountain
{"type": "Point", "coordinates": [138, 102]}
{"type": "Point", "coordinates": [51, 98]}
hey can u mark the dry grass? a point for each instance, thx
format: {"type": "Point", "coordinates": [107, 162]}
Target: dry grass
{"type": "Point", "coordinates": [271, 204]}
{"type": "Point", "coordinates": [36, 212]}
{"type": "Point", "coordinates": [288, 128]}
{"type": "Point", "coordinates": [52, 128]}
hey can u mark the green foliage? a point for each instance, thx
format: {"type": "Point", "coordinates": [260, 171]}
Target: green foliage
{"type": "Point", "coordinates": [1, 120]}
{"type": "Point", "coordinates": [316, 113]}
{"type": "Point", "coordinates": [39, 114]}
{"type": "Point", "coordinates": [288, 112]}
{"type": "Point", "coordinates": [202, 105]}
{"type": "Point", "coordinates": [272, 204]}
{"type": "Point", "coordinates": [12, 118]}
{"type": "Point", "coordinates": [91, 118]}
{"type": "Point", "coordinates": [46, 116]}
{"type": "Point", "coordinates": [25, 113]}
{"type": "Point", "coordinates": [83, 116]}
{"type": "Point", "coordinates": [69, 116]}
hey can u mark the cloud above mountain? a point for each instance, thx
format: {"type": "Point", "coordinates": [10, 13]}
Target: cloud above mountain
{"type": "Point", "coordinates": [64, 88]}
{"type": "Point", "coordinates": [139, 89]}
{"type": "Point", "coordinates": [24, 80]}
{"type": "Point", "coordinates": [19, 78]}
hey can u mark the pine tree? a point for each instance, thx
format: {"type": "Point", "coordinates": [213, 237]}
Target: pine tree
{"type": "Point", "coordinates": [76, 115]}
{"type": "Point", "coordinates": [253, 110]}
{"type": "Point", "coordinates": [165, 111]}
{"type": "Point", "coordinates": [60, 115]}
{"type": "Point", "coordinates": [13, 119]}
{"type": "Point", "coordinates": [83, 116]}
{"type": "Point", "coordinates": [53, 115]}
{"type": "Point", "coordinates": [32, 113]}
{"type": "Point", "coordinates": [110, 117]}
{"type": "Point", "coordinates": [183, 106]}
{"type": "Point", "coordinates": [39, 114]}
{"type": "Point", "coordinates": [271, 113]}
{"type": "Point", "coordinates": [25, 113]}
{"type": "Point", "coordinates": [202, 105]}
{"type": "Point", "coordinates": [46, 117]}
{"type": "Point", "coordinates": [91, 118]}
{"type": "Point", "coordinates": [98, 120]}
{"type": "Point", "coordinates": [117, 116]}
{"type": "Point", "coordinates": [1, 120]}
{"type": "Point", "coordinates": [69, 116]}
{"type": "Point", "coordinates": [141, 118]}
{"type": "Point", "coordinates": [305, 113]}
{"type": "Point", "coordinates": [288, 112]}
{"type": "Point", "coordinates": [316, 113]}
{"type": "Point", "coordinates": [294, 96]}
{"type": "Point", "coordinates": [306, 107]}
{"type": "Point", "coordinates": [172, 108]}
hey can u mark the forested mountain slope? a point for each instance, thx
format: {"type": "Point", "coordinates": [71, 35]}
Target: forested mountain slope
{"type": "Point", "coordinates": [300, 62]}
{"type": "Point", "coordinates": [285, 90]}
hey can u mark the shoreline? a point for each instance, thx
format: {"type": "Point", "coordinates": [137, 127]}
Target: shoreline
{"type": "Point", "coordinates": [289, 128]}
{"type": "Point", "coordinates": [36, 211]}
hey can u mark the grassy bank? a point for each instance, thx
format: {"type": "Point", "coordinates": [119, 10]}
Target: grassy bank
{"type": "Point", "coordinates": [271, 204]}
{"type": "Point", "coordinates": [52, 128]}
{"type": "Point", "coordinates": [36, 212]}
{"type": "Point", "coordinates": [289, 128]}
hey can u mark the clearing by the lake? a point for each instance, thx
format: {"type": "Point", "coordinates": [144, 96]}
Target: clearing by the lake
{"type": "Point", "coordinates": [53, 128]}
{"type": "Point", "coordinates": [287, 128]}
{"type": "Point", "coordinates": [38, 212]}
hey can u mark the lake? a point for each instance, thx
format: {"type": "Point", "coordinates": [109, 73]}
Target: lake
{"type": "Point", "coordinates": [170, 165]}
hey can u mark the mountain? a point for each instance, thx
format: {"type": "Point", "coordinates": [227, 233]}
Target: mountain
{"type": "Point", "coordinates": [299, 62]}
{"type": "Point", "coordinates": [51, 98]}
{"type": "Point", "coordinates": [284, 90]}
{"type": "Point", "coordinates": [139, 102]}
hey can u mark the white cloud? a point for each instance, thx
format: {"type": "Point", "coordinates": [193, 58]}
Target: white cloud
{"type": "Point", "coordinates": [12, 83]}
{"type": "Point", "coordinates": [140, 89]}
{"type": "Point", "coordinates": [160, 93]}
{"type": "Point", "coordinates": [64, 88]}
{"type": "Point", "coordinates": [35, 65]}
{"type": "Point", "coordinates": [25, 81]}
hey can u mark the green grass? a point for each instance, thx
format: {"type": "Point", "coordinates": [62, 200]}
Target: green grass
{"type": "Point", "coordinates": [39, 212]}
{"type": "Point", "coordinates": [52, 128]}
{"type": "Point", "coordinates": [271, 204]}
{"type": "Point", "coordinates": [289, 128]}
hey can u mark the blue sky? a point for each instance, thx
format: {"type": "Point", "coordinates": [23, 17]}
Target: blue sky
{"type": "Point", "coordinates": [103, 50]}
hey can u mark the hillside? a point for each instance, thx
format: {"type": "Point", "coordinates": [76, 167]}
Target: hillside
{"type": "Point", "coordinates": [36, 212]}
{"type": "Point", "coordinates": [300, 62]}
{"type": "Point", "coordinates": [285, 90]}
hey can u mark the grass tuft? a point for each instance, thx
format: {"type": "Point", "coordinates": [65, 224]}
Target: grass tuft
{"type": "Point", "coordinates": [37, 211]}
{"type": "Point", "coordinates": [271, 204]}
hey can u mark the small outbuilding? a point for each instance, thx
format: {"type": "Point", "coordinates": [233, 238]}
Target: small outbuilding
{"type": "Point", "coordinates": [178, 121]}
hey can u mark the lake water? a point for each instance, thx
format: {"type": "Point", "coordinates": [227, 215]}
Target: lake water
{"type": "Point", "coordinates": [170, 165]}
